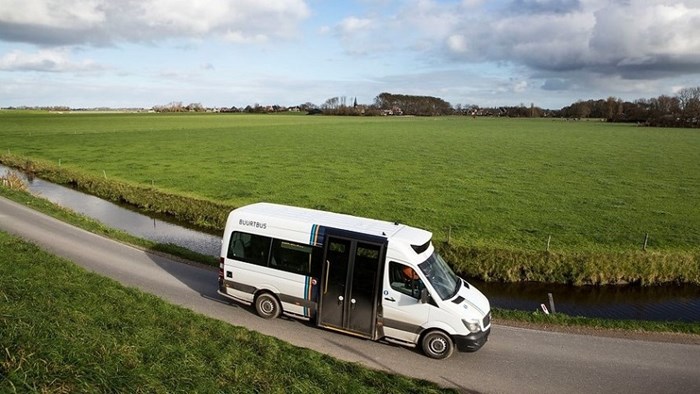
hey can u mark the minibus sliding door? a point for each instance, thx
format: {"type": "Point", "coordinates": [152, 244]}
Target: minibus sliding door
{"type": "Point", "coordinates": [350, 283]}
{"type": "Point", "coordinates": [334, 282]}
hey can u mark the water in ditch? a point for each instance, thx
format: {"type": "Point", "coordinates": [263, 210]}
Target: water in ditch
{"type": "Point", "coordinates": [667, 302]}
{"type": "Point", "coordinates": [119, 217]}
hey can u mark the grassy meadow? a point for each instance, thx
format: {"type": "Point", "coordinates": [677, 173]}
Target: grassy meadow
{"type": "Point", "coordinates": [93, 335]}
{"type": "Point", "coordinates": [497, 188]}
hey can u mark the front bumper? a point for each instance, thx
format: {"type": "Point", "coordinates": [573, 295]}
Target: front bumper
{"type": "Point", "coordinates": [471, 342]}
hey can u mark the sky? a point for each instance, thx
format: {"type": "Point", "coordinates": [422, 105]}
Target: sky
{"type": "Point", "coordinates": [223, 53]}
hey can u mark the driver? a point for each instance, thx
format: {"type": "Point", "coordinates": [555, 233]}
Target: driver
{"type": "Point", "coordinates": [411, 281]}
{"type": "Point", "coordinates": [409, 274]}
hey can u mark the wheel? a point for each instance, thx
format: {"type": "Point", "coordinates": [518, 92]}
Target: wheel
{"type": "Point", "coordinates": [437, 344]}
{"type": "Point", "coordinates": [267, 306]}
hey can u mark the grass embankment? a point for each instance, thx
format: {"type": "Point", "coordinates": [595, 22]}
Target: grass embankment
{"type": "Point", "coordinates": [499, 187]}
{"type": "Point", "coordinates": [63, 329]}
{"type": "Point", "coordinates": [577, 268]}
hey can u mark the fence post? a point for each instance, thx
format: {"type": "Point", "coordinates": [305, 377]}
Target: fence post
{"type": "Point", "coordinates": [548, 241]}
{"type": "Point", "coordinates": [551, 303]}
{"type": "Point", "coordinates": [646, 239]}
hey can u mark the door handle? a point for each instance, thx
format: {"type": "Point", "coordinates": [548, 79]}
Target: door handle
{"type": "Point", "coordinates": [328, 268]}
{"type": "Point", "coordinates": [390, 299]}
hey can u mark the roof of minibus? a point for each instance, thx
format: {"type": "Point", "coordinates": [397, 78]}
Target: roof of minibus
{"type": "Point", "coordinates": [399, 232]}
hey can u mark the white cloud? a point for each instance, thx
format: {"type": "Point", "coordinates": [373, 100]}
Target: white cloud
{"type": "Point", "coordinates": [240, 37]}
{"type": "Point", "coordinates": [625, 37]}
{"type": "Point", "coordinates": [361, 35]}
{"type": "Point", "coordinates": [606, 36]}
{"type": "Point", "coordinates": [52, 13]}
{"type": "Point", "coordinates": [103, 22]}
{"type": "Point", "coordinates": [472, 3]}
{"type": "Point", "coordinates": [428, 19]}
{"type": "Point", "coordinates": [519, 86]}
{"type": "Point", "coordinates": [352, 25]}
{"type": "Point", "coordinates": [647, 35]}
{"type": "Point", "coordinates": [47, 60]}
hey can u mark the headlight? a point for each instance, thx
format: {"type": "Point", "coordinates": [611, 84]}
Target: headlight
{"type": "Point", "coordinates": [472, 326]}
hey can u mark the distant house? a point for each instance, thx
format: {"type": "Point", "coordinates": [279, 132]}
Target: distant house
{"type": "Point", "coordinates": [394, 111]}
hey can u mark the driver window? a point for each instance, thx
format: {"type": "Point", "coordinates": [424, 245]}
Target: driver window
{"type": "Point", "coordinates": [404, 279]}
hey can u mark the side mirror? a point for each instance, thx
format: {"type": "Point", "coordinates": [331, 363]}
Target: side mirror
{"type": "Point", "coordinates": [424, 296]}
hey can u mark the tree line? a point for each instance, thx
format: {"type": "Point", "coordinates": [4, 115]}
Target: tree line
{"type": "Point", "coordinates": [681, 110]}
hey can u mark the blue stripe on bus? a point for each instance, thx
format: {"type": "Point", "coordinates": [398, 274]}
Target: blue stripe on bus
{"type": "Point", "coordinates": [307, 293]}
{"type": "Point", "coordinates": [318, 235]}
{"type": "Point", "coordinates": [314, 233]}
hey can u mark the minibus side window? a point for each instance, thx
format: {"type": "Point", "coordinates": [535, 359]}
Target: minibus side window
{"type": "Point", "coordinates": [404, 279]}
{"type": "Point", "coordinates": [250, 248]}
{"type": "Point", "coordinates": [291, 257]}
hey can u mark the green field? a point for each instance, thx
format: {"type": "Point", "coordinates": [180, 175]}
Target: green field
{"type": "Point", "coordinates": [92, 335]}
{"type": "Point", "coordinates": [491, 184]}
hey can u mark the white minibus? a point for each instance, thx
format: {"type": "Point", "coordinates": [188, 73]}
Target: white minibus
{"type": "Point", "coordinates": [369, 278]}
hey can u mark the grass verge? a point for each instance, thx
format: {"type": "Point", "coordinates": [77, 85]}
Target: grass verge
{"type": "Point", "coordinates": [67, 330]}
{"type": "Point", "coordinates": [540, 320]}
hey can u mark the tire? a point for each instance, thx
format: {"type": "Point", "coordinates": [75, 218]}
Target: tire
{"type": "Point", "coordinates": [267, 306]}
{"type": "Point", "coordinates": [437, 344]}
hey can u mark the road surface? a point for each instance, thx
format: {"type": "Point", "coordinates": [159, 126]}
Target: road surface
{"type": "Point", "coordinates": [515, 360]}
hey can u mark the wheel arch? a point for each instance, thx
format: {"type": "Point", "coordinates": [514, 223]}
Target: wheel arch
{"type": "Point", "coordinates": [437, 325]}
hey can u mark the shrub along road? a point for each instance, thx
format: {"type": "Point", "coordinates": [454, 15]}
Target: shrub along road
{"type": "Point", "coordinates": [514, 360]}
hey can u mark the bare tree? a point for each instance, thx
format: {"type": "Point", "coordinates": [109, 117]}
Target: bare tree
{"type": "Point", "coordinates": [331, 103]}
{"type": "Point", "coordinates": [613, 108]}
{"type": "Point", "coordinates": [689, 100]}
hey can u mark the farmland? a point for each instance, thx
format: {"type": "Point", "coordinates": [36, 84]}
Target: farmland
{"type": "Point", "coordinates": [502, 185]}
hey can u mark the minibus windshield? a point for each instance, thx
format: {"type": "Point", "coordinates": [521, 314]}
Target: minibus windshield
{"type": "Point", "coordinates": [440, 276]}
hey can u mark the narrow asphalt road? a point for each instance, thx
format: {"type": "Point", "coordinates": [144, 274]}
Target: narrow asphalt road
{"type": "Point", "coordinates": [514, 360]}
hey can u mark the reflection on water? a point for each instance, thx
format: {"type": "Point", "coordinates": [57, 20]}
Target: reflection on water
{"type": "Point", "coordinates": [123, 219]}
{"type": "Point", "coordinates": [668, 302]}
